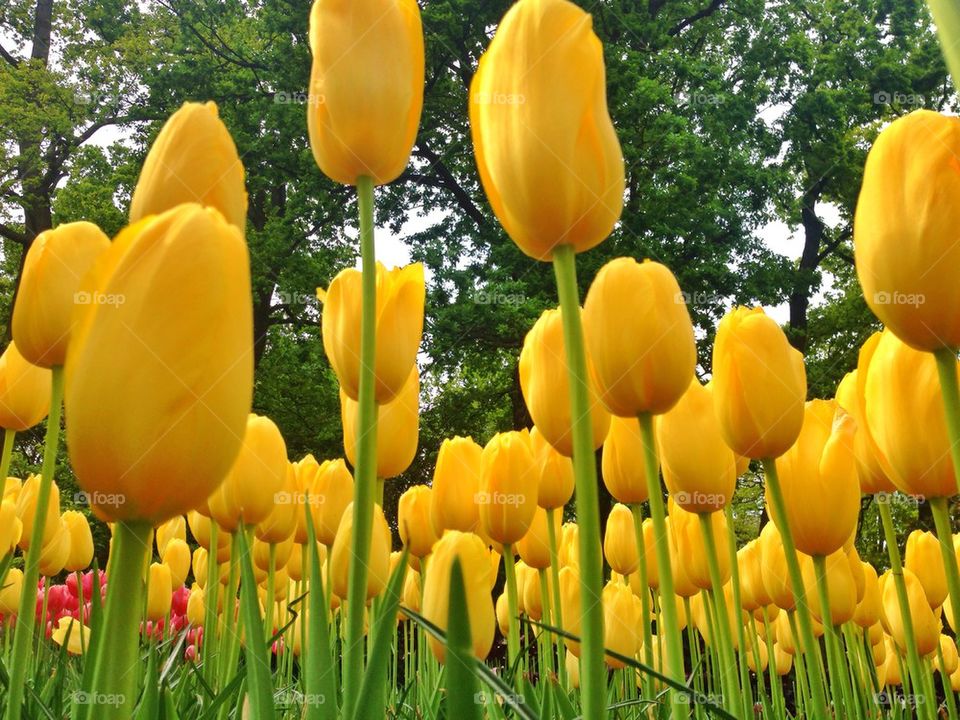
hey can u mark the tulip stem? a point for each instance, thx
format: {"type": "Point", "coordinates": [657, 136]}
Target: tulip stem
{"type": "Point", "coordinates": [810, 644]}
{"type": "Point", "coordinates": [513, 636]}
{"type": "Point", "coordinates": [8, 438]}
{"type": "Point", "coordinates": [941, 519]}
{"type": "Point", "coordinates": [668, 601]}
{"type": "Point", "coordinates": [830, 639]}
{"type": "Point", "coordinates": [258, 679]}
{"type": "Point", "coordinates": [592, 673]}
{"type": "Point", "coordinates": [946, 16]}
{"type": "Point", "coordinates": [896, 570]}
{"type": "Point", "coordinates": [208, 642]}
{"type": "Point", "coordinates": [113, 688]}
{"type": "Point", "coordinates": [27, 610]}
{"type": "Point", "coordinates": [747, 689]}
{"type": "Point", "coordinates": [950, 392]}
{"type": "Point", "coordinates": [365, 471]}
{"type": "Point", "coordinates": [557, 611]}
{"type": "Point", "coordinates": [644, 595]}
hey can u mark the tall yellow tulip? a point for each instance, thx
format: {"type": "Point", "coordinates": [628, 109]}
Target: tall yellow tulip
{"type": "Point", "coordinates": [924, 559]}
{"type": "Point", "coordinates": [639, 336]}
{"type": "Point", "coordinates": [926, 626]}
{"type": "Point", "coordinates": [456, 482]}
{"type": "Point", "coordinates": [366, 87]}
{"type": "Point", "coordinates": [413, 521]}
{"type": "Point", "coordinates": [81, 541]}
{"type": "Point", "coordinates": [330, 494]}
{"type": "Point", "coordinates": [399, 327]}
{"type": "Point", "coordinates": [534, 546]}
{"type": "Point", "coordinates": [193, 160]}
{"type": "Point", "coordinates": [159, 383]}
{"type": "Point", "coordinates": [620, 541]}
{"type": "Point", "coordinates": [398, 428]}
{"type": "Point", "coordinates": [541, 86]}
{"type": "Point", "coordinates": [378, 562]}
{"type": "Point", "coordinates": [555, 470]}
{"type": "Point", "coordinates": [24, 391]}
{"type": "Point", "coordinates": [508, 487]}
{"type": "Point", "coordinates": [622, 463]}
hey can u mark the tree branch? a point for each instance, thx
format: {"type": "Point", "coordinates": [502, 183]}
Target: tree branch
{"type": "Point", "coordinates": [699, 15]}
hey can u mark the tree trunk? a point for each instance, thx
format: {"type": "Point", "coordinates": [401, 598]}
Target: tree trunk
{"type": "Point", "coordinates": [813, 229]}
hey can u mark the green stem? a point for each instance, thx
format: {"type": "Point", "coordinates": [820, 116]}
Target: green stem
{"type": "Point", "coordinates": [513, 636]}
{"type": "Point", "coordinates": [557, 611]}
{"type": "Point", "coordinates": [592, 672]}
{"type": "Point", "coordinates": [211, 600]}
{"type": "Point", "coordinates": [365, 473]}
{"type": "Point", "coordinates": [896, 570]}
{"type": "Point", "coordinates": [732, 693]}
{"type": "Point", "coordinates": [259, 681]}
{"type": "Point", "coordinates": [668, 603]}
{"type": "Point", "coordinates": [27, 610]}
{"type": "Point", "coordinates": [738, 604]}
{"type": "Point", "coordinates": [117, 663]}
{"type": "Point", "coordinates": [949, 390]}
{"type": "Point", "coordinates": [946, 16]}
{"type": "Point", "coordinates": [779, 509]}
{"type": "Point", "coordinates": [635, 509]}
{"type": "Point", "coordinates": [271, 582]}
{"type": "Point", "coordinates": [9, 436]}
{"type": "Point", "coordinates": [947, 687]}
{"type": "Point", "coordinates": [833, 669]}
{"type": "Point", "coordinates": [941, 519]}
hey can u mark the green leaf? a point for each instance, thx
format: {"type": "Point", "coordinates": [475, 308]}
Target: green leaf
{"type": "Point", "coordinates": [150, 702]}
{"type": "Point", "coordinates": [462, 688]}
{"type": "Point", "coordinates": [320, 674]}
{"type": "Point", "coordinates": [259, 679]}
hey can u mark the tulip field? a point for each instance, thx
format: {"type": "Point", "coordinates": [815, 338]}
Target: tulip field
{"type": "Point", "coordinates": [586, 564]}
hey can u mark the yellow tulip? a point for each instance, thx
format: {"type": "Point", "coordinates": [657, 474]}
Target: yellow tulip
{"type": "Point", "coordinates": [753, 592]}
{"type": "Point", "coordinates": [10, 592]}
{"type": "Point", "coordinates": [783, 660]}
{"type": "Point", "coordinates": [24, 391]}
{"type": "Point", "coordinates": [11, 528]}
{"type": "Point", "coordinates": [200, 527]}
{"type": "Point", "coordinates": [842, 595]}
{"type": "Point", "coordinates": [502, 610]}
{"type": "Point", "coordinates": [294, 566]}
{"type": "Point", "coordinates": [159, 379]}
{"type": "Point", "coordinates": [773, 562]}
{"type": "Point", "coordinates": [545, 383]}
{"type": "Point", "coordinates": [819, 471]}
{"type": "Point", "coordinates": [555, 470]}
{"type": "Point", "coordinates": [622, 463]}
{"type": "Point", "coordinates": [366, 87]}
{"type": "Point", "coordinates": [534, 546]}
{"type": "Point", "coordinates": [475, 565]}
{"type": "Point", "coordinates": [904, 230]}
{"type": "Point", "coordinates": [926, 626]}
{"type": "Point", "coordinates": [306, 470]}
{"type": "Point", "coordinates": [201, 566]}
{"type": "Point", "coordinates": [257, 477]}
{"type": "Point", "coordinates": [691, 545]}
{"type": "Point", "coordinates": [81, 541]}
{"type": "Point", "coordinates": [413, 521]}
{"type": "Point", "coordinates": [622, 612]}
{"type": "Point", "coordinates": [456, 482]}
{"type": "Point", "coordinates": [159, 592]}
{"type": "Point", "coordinates": [329, 497]}
{"type": "Point", "coordinates": [68, 634]}
{"type": "Point", "coordinates": [639, 334]}
{"type": "Point", "coordinates": [398, 428]}
{"type": "Point", "coordinates": [902, 395]}
{"type": "Point", "coordinates": [55, 263]}
{"type": "Point", "coordinates": [570, 605]}
{"type": "Point", "coordinates": [27, 511]}
{"type": "Point", "coordinates": [400, 298]}
{"type": "Point", "coordinates": [378, 560]}
{"type": "Point", "coordinates": [176, 556]}
{"type": "Point", "coordinates": [867, 613]}
{"type": "Point", "coordinates": [54, 554]}
{"type": "Point", "coordinates": [193, 160]}
{"type": "Point", "coordinates": [546, 150]}
{"type": "Point", "coordinates": [568, 552]}
{"type": "Point", "coordinates": [532, 596]}
{"type": "Point", "coordinates": [281, 523]}
{"type": "Point", "coordinates": [508, 487]}
{"type": "Point", "coordinates": [174, 528]}
{"type": "Point", "coordinates": [924, 559]}
{"type": "Point", "coordinates": [410, 596]}
{"type": "Point", "coordinates": [572, 664]}
{"type": "Point", "coordinates": [620, 541]}
{"type": "Point", "coordinates": [759, 384]}
{"type": "Point", "coordinates": [196, 607]}
{"type": "Point", "coordinates": [700, 471]}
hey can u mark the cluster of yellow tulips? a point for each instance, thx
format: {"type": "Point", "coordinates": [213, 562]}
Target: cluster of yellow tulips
{"type": "Point", "coordinates": [146, 342]}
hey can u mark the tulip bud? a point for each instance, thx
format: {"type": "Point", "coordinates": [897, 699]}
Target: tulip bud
{"type": "Point", "coordinates": [54, 554]}
{"type": "Point", "coordinates": [174, 528]}
{"type": "Point", "coordinates": [472, 555]}
{"type": "Point", "coordinates": [81, 541]}
{"type": "Point", "coordinates": [550, 183]}
{"type": "Point", "coordinates": [622, 464]}
{"type": "Point", "coordinates": [456, 482]}
{"type": "Point", "coordinates": [68, 634]}
{"type": "Point", "coordinates": [508, 487]}
{"type": "Point", "coordinates": [176, 556]}
{"type": "Point", "coordinates": [753, 593]}
{"type": "Point", "coordinates": [24, 391]}
{"type": "Point", "coordinates": [534, 547]}
{"type": "Point", "coordinates": [759, 385]}
{"type": "Point", "coordinates": [902, 394]}
{"type": "Point", "coordinates": [926, 627]}
{"type": "Point", "coordinates": [621, 620]}
{"type": "Point", "coordinates": [568, 552]}
{"type": "Point", "coordinates": [570, 604]}
{"type": "Point", "coordinates": [773, 562]}
{"type": "Point", "coordinates": [923, 559]}
{"type": "Point", "coordinates": [398, 428]}
{"type": "Point", "coordinates": [686, 530]}
{"type": "Point", "coordinates": [193, 160]}
{"type": "Point", "coordinates": [400, 297]}
{"type": "Point", "coordinates": [545, 383]}
{"type": "Point", "coordinates": [640, 337]}
{"type": "Point", "coordinates": [413, 521]}
{"type": "Point", "coordinates": [52, 270]}
{"type": "Point", "coordinates": [820, 470]}
{"type": "Point", "coordinates": [200, 528]}
{"type": "Point", "coordinates": [410, 595]}
{"type": "Point", "coordinates": [362, 121]}
{"type": "Point", "coordinates": [27, 511]}
{"type": "Point", "coordinates": [329, 498]}
{"type": "Point", "coordinates": [10, 591]}
{"type": "Point", "coordinates": [11, 528]}
{"type": "Point", "coordinates": [256, 479]}
{"type": "Point", "coordinates": [281, 523]}
{"type": "Point", "coordinates": [502, 609]}
{"type": "Point", "coordinates": [294, 566]}
{"type": "Point", "coordinates": [783, 660]}
{"type": "Point", "coordinates": [700, 471]}
{"type": "Point", "coordinates": [842, 595]}
{"type": "Point", "coordinates": [156, 426]}
{"type": "Point", "coordinates": [867, 613]}
{"type": "Point", "coordinates": [555, 470]}
{"type": "Point", "coordinates": [196, 607]}
{"type": "Point", "coordinates": [620, 541]}
{"type": "Point", "coordinates": [159, 592]}
{"type": "Point", "coordinates": [378, 561]}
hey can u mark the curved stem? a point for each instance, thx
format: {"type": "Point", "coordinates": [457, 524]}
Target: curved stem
{"type": "Point", "coordinates": [796, 580]}
{"type": "Point", "coordinates": [27, 610]}
{"type": "Point", "coordinates": [668, 603]}
{"type": "Point", "coordinates": [365, 472]}
{"type": "Point", "coordinates": [941, 519]}
{"type": "Point", "coordinates": [592, 672]}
